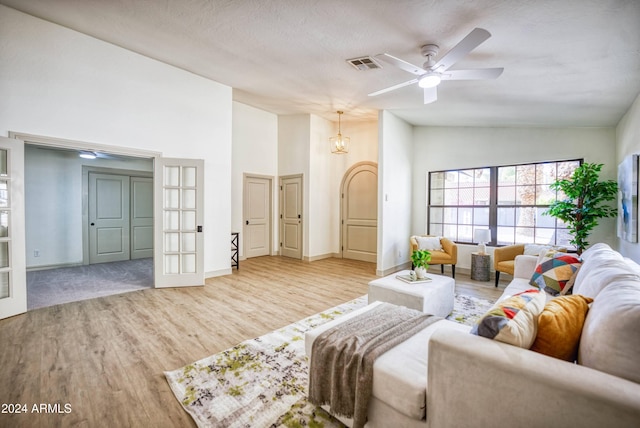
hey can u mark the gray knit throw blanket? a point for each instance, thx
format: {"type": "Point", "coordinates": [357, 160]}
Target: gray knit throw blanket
{"type": "Point", "coordinates": [341, 371]}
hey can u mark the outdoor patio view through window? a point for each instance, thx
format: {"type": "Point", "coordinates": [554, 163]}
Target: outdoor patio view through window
{"type": "Point", "coordinates": [508, 200]}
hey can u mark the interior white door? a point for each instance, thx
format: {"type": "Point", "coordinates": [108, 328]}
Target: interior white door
{"type": "Point", "coordinates": [109, 226]}
{"type": "Point", "coordinates": [291, 217]}
{"type": "Point", "coordinates": [141, 217]}
{"type": "Point", "coordinates": [13, 280]}
{"type": "Point", "coordinates": [257, 213]}
{"type": "Point", "coordinates": [178, 208]}
{"type": "Point", "coordinates": [360, 213]}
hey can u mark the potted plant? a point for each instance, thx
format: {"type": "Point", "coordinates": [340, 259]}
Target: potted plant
{"type": "Point", "coordinates": [585, 202]}
{"type": "Point", "coordinates": [420, 260]}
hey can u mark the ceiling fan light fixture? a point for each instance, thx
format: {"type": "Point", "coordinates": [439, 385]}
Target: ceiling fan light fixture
{"type": "Point", "coordinates": [339, 144]}
{"type": "Point", "coordinates": [429, 80]}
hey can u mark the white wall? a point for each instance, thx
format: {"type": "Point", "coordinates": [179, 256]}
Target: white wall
{"type": "Point", "coordinates": [441, 148]}
{"type": "Point", "coordinates": [628, 142]}
{"type": "Point", "coordinates": [323, 197]}
{"type": "Point", "coordinates": [394, 192]}
{"type": "Point", "coordinates": [58, 83]}
{"type": "Point", "coordinates": [303, 147]}
{"type": "Point", "coordinates": [54, 206]}
{"type": "Point", "coordinates": [255, 151]}
{"type": "Point", "coordinates": [326, 173]}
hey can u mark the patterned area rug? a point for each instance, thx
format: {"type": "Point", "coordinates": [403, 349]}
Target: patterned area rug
{"type": "Point", "coordinates": [262, 382]}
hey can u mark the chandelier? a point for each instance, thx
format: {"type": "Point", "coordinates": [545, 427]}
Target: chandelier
{"type": "Point", "coordinates": [339, 144]}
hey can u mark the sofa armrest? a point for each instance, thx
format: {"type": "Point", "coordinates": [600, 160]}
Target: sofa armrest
{"type": "Point", "coordinates": [524, 266]}
{"type": "Point", "coordinates": [501, 254]}
{"type": "Point", "coordinates": [450, 248]}
{"type": "Point", "coordinates": [413, 245]}
{"type": "Point", "coordinates": [474, 381]}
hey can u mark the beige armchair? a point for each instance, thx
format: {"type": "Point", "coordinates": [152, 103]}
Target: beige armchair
{"type": "Point", "coordinates": [504, 258]}
{"type": "Point", "coordinates": [447, 256]}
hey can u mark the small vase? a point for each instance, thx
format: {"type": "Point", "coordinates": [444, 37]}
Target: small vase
{"type": "Point", "coordinates": [421, 272]}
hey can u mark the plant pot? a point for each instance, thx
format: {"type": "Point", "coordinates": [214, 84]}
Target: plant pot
{"type": "Point", "coordinates": [421, 272]}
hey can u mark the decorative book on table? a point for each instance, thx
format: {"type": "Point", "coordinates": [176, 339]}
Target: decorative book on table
{"type": "Point", "coordinates": [407, 279]}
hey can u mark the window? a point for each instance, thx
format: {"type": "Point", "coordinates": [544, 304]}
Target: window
{"type": "Point", "coordinates": [509, 200]}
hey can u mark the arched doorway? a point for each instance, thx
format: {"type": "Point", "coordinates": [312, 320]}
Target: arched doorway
{"type": "Point", "coordinates": [359, 212]}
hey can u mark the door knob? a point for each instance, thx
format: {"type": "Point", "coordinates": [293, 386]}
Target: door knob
{"type": "Point", "coordinates": [247, 221]}
{"type": "Point", "coordinates": [93, 224]}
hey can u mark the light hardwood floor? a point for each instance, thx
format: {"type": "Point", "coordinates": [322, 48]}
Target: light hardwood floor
{"type": "Point", "coordinates": [105, 357]}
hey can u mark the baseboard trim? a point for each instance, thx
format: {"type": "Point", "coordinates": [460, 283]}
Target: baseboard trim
{"type": "Point", "coordinates": [55, 266]}
{"type": "Point", "coordinates": [220, 272]}
{"type": "Point", "coordinates": [406, 265]}
{"type": "Point", "coordinates": [432, 269]}
{"type": "Point", "coordinates": [320, 257]}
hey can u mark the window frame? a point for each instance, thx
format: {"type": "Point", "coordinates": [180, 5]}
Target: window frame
{"type": "Point", "coordinates": [558, 230]}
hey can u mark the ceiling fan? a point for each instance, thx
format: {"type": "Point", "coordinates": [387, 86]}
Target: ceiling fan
{"type": "Point", "coordinates": [432, 73]}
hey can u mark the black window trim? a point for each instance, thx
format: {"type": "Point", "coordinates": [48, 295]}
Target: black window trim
{"type": "Point", "coordinates": [493, 196]}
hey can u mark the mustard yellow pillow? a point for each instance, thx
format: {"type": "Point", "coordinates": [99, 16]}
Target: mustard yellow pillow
{"type": "Point", "coordinates": [560, 326]}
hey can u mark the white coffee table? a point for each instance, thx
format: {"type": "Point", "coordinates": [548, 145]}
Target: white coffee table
{"type": "Point", "coordinates": [433, 297]}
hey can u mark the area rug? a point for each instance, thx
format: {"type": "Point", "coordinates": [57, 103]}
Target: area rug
{"type": "Point", "coordinates": [262, 382]}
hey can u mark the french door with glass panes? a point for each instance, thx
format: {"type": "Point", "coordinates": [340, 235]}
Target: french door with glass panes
{"type": "Point", "coordinates": [13, 282]}
{"type": "Point", "coordinates": [178, 199]}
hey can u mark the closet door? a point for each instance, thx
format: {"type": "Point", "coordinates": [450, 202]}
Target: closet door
{"type": "Point", "coordinates": [109, 225]}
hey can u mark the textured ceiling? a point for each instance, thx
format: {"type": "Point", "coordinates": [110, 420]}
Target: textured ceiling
{"type": "Point", "coordinates": [567, 62]}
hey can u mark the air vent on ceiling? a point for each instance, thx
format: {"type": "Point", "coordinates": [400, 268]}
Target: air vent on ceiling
{"type": "Point", "coordinates": [364, 63]}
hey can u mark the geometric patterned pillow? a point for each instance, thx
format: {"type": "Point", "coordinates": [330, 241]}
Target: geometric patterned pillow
{"type": "Point", "coordinates": [553, 273]}
{"type": "Point", "coordinates": [513, 320]}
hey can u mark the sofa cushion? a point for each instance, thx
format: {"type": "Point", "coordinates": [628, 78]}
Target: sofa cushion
{"type": "Point", "coordinates": [600, 249]}
{"type": "Point", "coordinates": [518, 285]}
{"type": "Point", "coordinates": [594, 259]}
{"type": "Point", "coordinates": [554, 271]}
{"type": "Point", "coordinates": [560, 326]}
{"type": "Point", "coordinates": [597, 273]}
{"type": "Point", "coordinates": [513, 320]}
{"type": "Point", "coordinates": [610, 341]}
{"type": "Point", "coordinates": [400, 374]}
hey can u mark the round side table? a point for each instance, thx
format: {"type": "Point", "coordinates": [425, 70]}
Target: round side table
{"type": "Point", "coordinates": [480, 266]}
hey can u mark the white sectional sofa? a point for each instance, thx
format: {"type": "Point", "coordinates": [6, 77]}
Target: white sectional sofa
{"type": "Point", "coordinates": [446, 377]}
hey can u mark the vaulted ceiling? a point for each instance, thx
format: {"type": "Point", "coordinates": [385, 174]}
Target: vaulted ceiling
{"type": "Point", "coordinates": [567, 62]}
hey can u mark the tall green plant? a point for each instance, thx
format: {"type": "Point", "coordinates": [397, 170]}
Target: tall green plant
{"type": "Point", "coordinates": [585, 202]}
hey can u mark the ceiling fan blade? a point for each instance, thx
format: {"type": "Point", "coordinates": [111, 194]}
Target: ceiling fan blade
{"type": "Point", "coordinates": [391, 88]}
{"type": "Point", "coordinates": [430, 94]}
{"type": "Point", "coordinates": [469, 43]}
{"type": "Point", "coordinates": [404, 65]}
{"type": "Point", "coordinates": [477, 74]}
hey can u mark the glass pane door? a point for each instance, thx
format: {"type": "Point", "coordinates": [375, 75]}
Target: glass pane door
{"type": "Point", "coordinates": [13, 285]}
{"type": "Point", "coordinates": [181, 213]}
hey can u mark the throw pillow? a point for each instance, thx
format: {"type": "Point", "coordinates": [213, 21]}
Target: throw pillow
{"type": "Point", "coordinates": [569, 287]}
{"type": "Point", "coordinates": [430, 243]}
{"type": "Point", "coordinates": [513, 320]}
{"type": "Point", "coordinates": [535, 249]}
{"type": "Point", "coordinates": [545, 255]}
{"type": "Point", "coordinates": [560, 326]}
{"type": "Point", "coordinates": [553, 273]}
